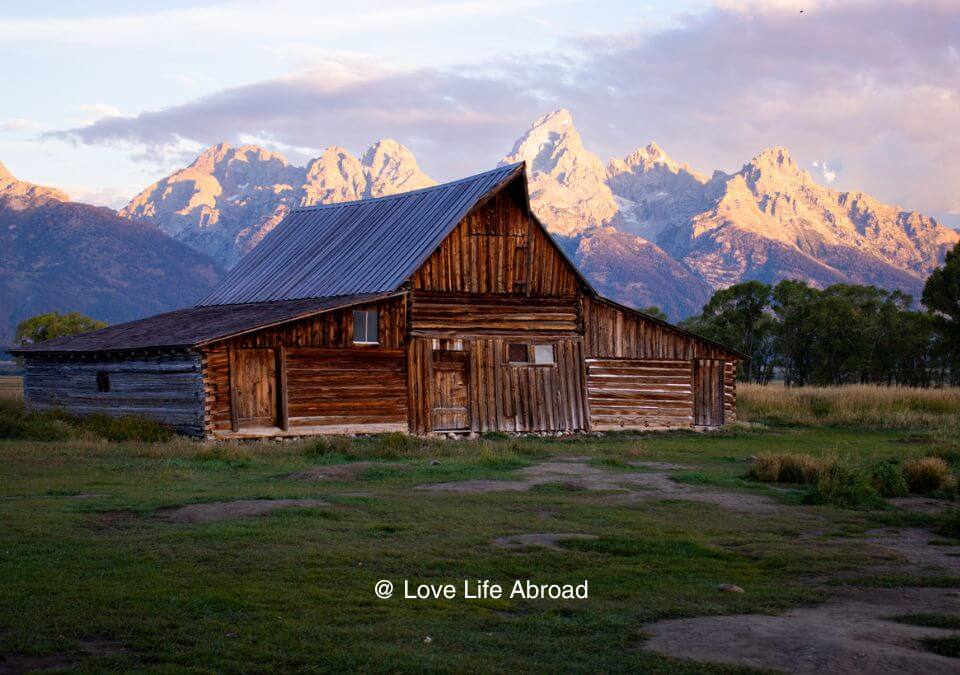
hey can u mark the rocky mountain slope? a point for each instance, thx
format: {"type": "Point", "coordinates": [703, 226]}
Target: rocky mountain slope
{"type": "Point", "coordinates": [769, 221]}
{"type": "Point", "coordinates": [229, 198]}
{"type": "Point", "coordinates": [646, 229]}
{"type": "Point", "coordinates": [60, 255]}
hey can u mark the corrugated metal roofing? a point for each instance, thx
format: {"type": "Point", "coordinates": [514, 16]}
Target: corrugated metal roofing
{"type": "Point", "coordinates": [369, 246]}
{"type": "Point", "coordinates": [194, 326]}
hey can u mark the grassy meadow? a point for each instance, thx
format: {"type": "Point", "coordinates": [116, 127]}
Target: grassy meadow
{"type": "Point", "coordinates": [96, 574]}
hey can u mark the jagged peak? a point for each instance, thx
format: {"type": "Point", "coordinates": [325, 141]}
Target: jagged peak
{"type": "Point", "coordinates": [208, 160]}
{"type": "Point", "coordinates": [560, 117]}
{"type": "Point", "coordinates": [776, 156]}
{"type": "Point", "coordinates": [388, 149]}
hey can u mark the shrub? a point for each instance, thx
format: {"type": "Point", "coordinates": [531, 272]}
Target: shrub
{"type": "Point", "coordinates": [786, 468]}
{"type": "Point", "coordinates": [888, 479]}
{"type": "Point", "coordinates": [927, 474]}
{"type": "Point", "coordinates": [842, 485]}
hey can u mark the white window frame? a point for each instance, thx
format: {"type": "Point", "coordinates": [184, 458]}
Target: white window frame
{"type": "Point", "coordinates": [366, 313]}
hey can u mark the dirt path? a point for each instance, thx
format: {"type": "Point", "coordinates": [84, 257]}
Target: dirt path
{"type": "Point", "coordinates": [543, 540]}
{"type": "Point", "coordinates": [852, 633]}
{"type": "Point", "coordinates": [348, 471]}
{"type": "Point", "coordinates": [633, 487]}
{"type": "Point", "coordinates": [240, 508]}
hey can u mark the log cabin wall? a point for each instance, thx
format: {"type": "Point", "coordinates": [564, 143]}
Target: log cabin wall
{"type": "Point", "coordinates": [641, 373]}
{"type": "Point", "coordinates": [165, 387]}
{"type": "Point", "coordinates": [330, 384]}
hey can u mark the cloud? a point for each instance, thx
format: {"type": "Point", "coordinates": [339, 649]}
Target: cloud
{"type": "Point", "coordinates": [829, 174]}
{"type": "Point", "coordinates": [18, 124]}
{"type": "Point", "coordinates": [96, 111]}
{"type": "Point", "coordinates": [871, 84]}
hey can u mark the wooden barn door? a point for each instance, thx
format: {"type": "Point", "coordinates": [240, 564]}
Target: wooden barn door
{"type": "Point", "coordinates": [450, 400]}
{"type": "Point", "coordinates": [707, 392]}
{"type": "Point", "coordinates": [255, 390]}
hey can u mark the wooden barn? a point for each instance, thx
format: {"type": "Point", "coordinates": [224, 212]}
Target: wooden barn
{"type": "Point", "coordinates": [446, 309]}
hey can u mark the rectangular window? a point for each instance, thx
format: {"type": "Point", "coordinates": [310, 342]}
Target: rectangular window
{"type": "Point", "coordinates": [517, 353]}
{"type": "Point", "coordinates": [103, 380]}
{"type": "Point", "coordinates": [543, 354]}
{"type": "Point", "coordinates": [365, 326]}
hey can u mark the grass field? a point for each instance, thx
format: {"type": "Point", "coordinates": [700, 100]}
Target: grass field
{"type": "Point", "coordinates": [99, 571]}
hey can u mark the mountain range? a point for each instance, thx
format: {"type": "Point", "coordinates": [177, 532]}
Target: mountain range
{"type": "Point", "coordinates": [58, 255]}
{"type": "Point", "coordinates": [645, 229]}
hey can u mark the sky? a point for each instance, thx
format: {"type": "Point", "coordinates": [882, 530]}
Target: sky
{"type": "Point", "coordinates": [108, 96]}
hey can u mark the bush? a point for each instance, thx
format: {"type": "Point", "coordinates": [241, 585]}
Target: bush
{"type": "Point", "coordinates": [842, 485]}
{"type": "Point", "coordinates": [928, 474]}
{"type": "Point", "coordinates": [786, 468]}
{"type": "Point", "coordinates": [888, 480]}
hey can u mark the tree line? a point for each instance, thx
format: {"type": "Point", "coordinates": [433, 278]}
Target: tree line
{"type": "Point", "coordinates": [842, 334]}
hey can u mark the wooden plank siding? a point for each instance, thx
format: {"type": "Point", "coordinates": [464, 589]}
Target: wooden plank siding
{"type": "Point", "coordinates": [611, 332]}
{"type": "Point", "coordinates": [498, 249]}
{"type": "Point", "coordinates": [165, 387]}
{"type": "Point", "coordinates": [640, 372]}
{"type": "Point", "coordinates": [330, 384]}
{"type": "Point", "coordinates": [503, 396]}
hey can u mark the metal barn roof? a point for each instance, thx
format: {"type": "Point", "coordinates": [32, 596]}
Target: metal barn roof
{"type": "Point", "coordinates": [368, 246]}
{"type": "Point", "coordinates": [194, 326]}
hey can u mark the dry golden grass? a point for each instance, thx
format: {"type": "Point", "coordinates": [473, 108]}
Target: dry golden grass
{"type": "Point", "coordinates": [860, 406]}
{"type": "Point", "coordinates": [11, 386]}
{"type": "Point", "coordinates": [786, 468]}
{"type": "Point", "coordinates": [927, 474]}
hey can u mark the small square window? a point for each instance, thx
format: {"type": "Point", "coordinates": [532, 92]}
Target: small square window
{"type": "Point", "coordinates": [365, 326]}
{"type": "Point", "coordinates": [543, 354]}
{"type": "Point", "coordinates": [517, 353]}
{"type": "Point", "coordinates": [103, 381]}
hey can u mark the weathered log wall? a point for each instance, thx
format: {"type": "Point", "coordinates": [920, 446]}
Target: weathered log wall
{"type": "Point", "coordinates": [168, 388]}
{"type": "Point", "coordinates": [612, 332]}
{"type": "Point", "coordinates": [459, 314]}
{"type": "Point", "coordinates": [330, 383]}
{"type": "Point", "coordinates": [504, 396]}
{"type": "Point", "coordinates": [639, 393]}
{"type": "Point", "coordinates": [499, 249]}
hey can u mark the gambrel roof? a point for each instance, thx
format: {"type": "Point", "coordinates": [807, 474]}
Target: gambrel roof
{"type": "Point", "coordinates": [367, 246]}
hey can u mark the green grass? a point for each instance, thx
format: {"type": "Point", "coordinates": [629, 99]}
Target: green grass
{"type": "Point", "coordinates": [948, 646]}
{"type": "Point", "coordinates": [85, 556]}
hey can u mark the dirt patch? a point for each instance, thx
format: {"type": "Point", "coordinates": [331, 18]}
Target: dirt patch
{"type": "Point", "coordinates": [543, 540]}
{"type": "Point", "coordinates": [913, 545]}
{"type": "Point", "coordinates": [632, 487]}
{"type": "Point", "coordinates": [349, 471]}
{"type": "Point", "coordinates": [112, 520]}
{"type": "Point", "coordinates": [241, 508]}
{"type": "Point", "coordinates": [851, 633]}
{"type": "Point", "coordinates": [25, 663]}
{"type": "Point", "coordinates": [926, 505]}
{"type": "Point", "coordinates": [659, 466]}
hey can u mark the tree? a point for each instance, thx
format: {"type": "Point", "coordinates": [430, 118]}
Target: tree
{"type": "Point", "coordinates": [739, 317]}
{"type": "Point", "coordinates": [655, 312]}
{"type": "Point", "coordinates": [53, 325]}
{"type": "Point", "coordinates": [941, 295]}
